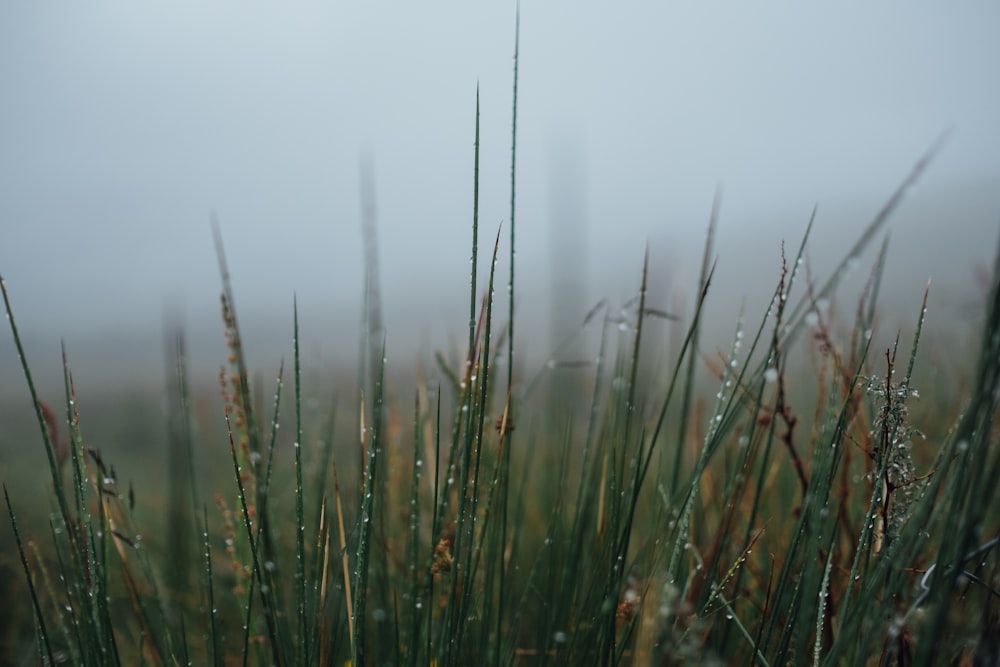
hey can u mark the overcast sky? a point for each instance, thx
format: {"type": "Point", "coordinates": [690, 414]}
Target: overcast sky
{"type": "Point", "coordinates": [124, 126]}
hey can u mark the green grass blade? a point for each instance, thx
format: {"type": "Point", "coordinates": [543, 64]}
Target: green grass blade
{"type": "Point", "coordinates": [302, 645]}
{"type": "Point", "coordinates": [50, 448]}
{"type": "Point", "coordinates": [35, 603]}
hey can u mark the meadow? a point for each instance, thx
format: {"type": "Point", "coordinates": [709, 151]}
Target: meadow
{"type": "Point", "coordinates": [606, 511]}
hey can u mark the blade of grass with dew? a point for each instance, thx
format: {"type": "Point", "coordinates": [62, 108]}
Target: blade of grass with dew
{"type": "Point", "coordinates": [215, 645]}
{"type": "Point", "coordinates": [68, 617]}
{"type": "Point", "coordinates": [86, 578]}
{"type": "Point", "coordinates": [318, 570]}
{"type": "Point", "coordinates": [503, 496]}
{"type": "Point", "coordinates": [319, 481]}
{"type": "Point", "coordinates": [436, 520]}
{"type": "Point", "coordinates": [344, 561]}
{"type": "Point", "coordinates": [50, 449]}
{"type": "Point", "coordinates": [707, 269]}
{"type": "Point", "coordinates": [479, 533]}
{"type": "Point", "coordinates": [257, 576]}
{"type": "Point", "coordinates": [264, 522]}
{"type": "Point", "coordinates": [42, 630]}
{"type": "Point", "coordinates": [622, 516]}
{"type": "Point", "coordinates": [462, 541]}
{"type": "Point", "coordinates": [366, 518]}
{"type": "Point", "coordinates": [797, 317]}
{"type": "Point", "coordinates": [413, 598]}
{"type": "Point", "coordinates": [302, 656]}
{"type": "Point", "coordinates": [475, 245]}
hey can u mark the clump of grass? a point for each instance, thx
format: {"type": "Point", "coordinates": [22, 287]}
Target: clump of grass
{"type": "Point", "coordinates": [650, 525]}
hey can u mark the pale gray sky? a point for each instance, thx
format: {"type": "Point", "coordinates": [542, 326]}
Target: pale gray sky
{"type": "Point", "coordinates": [124, 125]}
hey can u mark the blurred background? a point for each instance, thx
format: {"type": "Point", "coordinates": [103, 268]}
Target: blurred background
{"type": "Point", "coordinates": [125, 127]}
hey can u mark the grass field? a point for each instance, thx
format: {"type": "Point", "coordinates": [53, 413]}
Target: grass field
{"type": "Point", "coordinates": [826, 512]}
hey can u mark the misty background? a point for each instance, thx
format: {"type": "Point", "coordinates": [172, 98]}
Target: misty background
{"type": "Point", "coordinates": [125, 126]}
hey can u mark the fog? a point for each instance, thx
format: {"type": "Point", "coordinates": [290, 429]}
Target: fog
{"type": "Point", "coordinates": [125, 127]}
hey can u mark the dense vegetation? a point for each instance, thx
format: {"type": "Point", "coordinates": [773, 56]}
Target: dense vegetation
{"type": "Point", "coordinates": [789, 516]}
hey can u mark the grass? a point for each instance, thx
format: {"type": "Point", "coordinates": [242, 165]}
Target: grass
{"type": "Point", "coordinates": [652, 523]}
